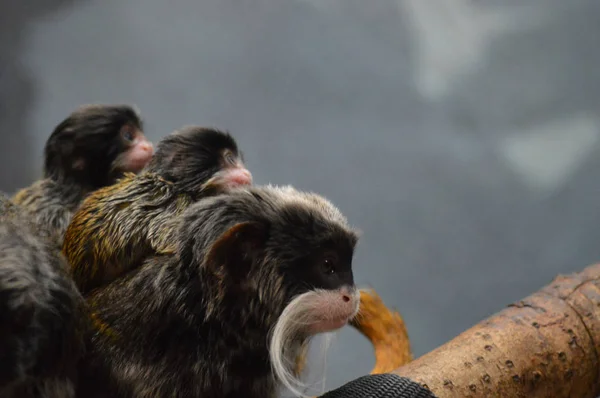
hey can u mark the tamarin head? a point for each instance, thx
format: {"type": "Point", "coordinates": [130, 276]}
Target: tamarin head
{"type": "Point", "coordinates": [284, 254]}
{"type": "Point", "coordinates": [196, 159]}
{"type": "Point", "coordinates": [96, 144]}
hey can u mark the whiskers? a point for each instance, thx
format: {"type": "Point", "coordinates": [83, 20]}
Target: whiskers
{"type": "Point", "coordinates": [290, 339]}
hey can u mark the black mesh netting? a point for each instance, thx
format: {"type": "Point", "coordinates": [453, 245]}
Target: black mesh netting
{"type": "Point", "coordinates": [380, 386]}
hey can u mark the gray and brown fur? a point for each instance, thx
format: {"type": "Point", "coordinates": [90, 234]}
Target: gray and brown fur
{"type": "Point", "coordinates": [118, 226]}
{"type": "Point", "coordinates": [196, 323]}
{"type": "Point", "coordinates": [79, 158]}
{"type": "Point", "coordinates": [42, 320]}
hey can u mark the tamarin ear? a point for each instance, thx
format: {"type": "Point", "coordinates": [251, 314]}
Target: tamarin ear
{"type": "Point", "coordinates": [236, 250]}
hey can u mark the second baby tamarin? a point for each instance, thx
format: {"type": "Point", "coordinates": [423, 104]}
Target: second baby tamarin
{"type": "Point", "coordinates": [88, 150]}
{"type": "Point", "coordinates": [118, 226]}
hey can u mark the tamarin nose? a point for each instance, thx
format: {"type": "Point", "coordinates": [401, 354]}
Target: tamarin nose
{"type": "Point", "coordinates": [248, 175]}
{"type": "Point", "coordinates": [147, 147]}
{"type": "Point", "coordinates": [240, 176]}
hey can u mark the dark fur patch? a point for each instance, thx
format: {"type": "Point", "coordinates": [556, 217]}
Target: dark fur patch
{"type": "Point", "coordinates": [41, 312]}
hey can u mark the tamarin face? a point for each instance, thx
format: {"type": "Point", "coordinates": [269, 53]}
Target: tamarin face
{"type": "Point", "coordinates": [314, 248]}
{"type": "Point", "coordinates": [197, 159]}
{"type": "Point", "coordinates": [291, 244]}
{"type": "Point", "coordinates": [96, 144]}
{"type": "Point", "coordinates": [323, 269]}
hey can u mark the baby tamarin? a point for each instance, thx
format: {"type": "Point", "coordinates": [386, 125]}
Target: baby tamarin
{"type": "Point", "coordinates": [88, 150]}
{"type": "Point", "coordinates": [42, 323]}
{"type": "Point", "coordinates": [118, 226]}
{"type": "Point", "coordinates": [257, 272]}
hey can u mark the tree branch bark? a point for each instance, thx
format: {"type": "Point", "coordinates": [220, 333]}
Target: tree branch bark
{"type": "Point", "coordinates": [545, 345]}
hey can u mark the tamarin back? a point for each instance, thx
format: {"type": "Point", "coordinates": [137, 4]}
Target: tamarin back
{"type": "Point", "coordinates": [50, 203]}
{"type": "Point", "coordinates": [7, 207]}
{"type": "Point", "coordinates": [42, 321]}
{"type": "Point", "coordinates": [120, 224]}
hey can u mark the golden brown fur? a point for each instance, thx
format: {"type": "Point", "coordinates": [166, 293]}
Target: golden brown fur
{"type": "Point", "coordinates": [122, 224]}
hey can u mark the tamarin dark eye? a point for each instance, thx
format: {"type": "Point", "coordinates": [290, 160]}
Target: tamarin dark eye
{"type": "Point", "coordinates": [329, 264]}
{"type": "Point", "coordinates": [229, 157]}
{"type": "Point", "coordinates": [127, 135]}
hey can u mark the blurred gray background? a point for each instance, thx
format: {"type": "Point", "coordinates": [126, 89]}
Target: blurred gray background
{"type": "Point", "coordinates": [461, 136]}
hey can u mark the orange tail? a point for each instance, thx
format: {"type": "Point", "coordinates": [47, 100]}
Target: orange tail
{"type": "Point", "coordinates": [385, 330]}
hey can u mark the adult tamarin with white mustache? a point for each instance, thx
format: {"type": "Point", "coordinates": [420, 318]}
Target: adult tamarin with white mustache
{"type": "Point", "coordinates": [257, 272]}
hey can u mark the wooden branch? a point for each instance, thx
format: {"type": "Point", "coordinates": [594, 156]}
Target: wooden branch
{"type": "Point", "coordinates": [545, 345]}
